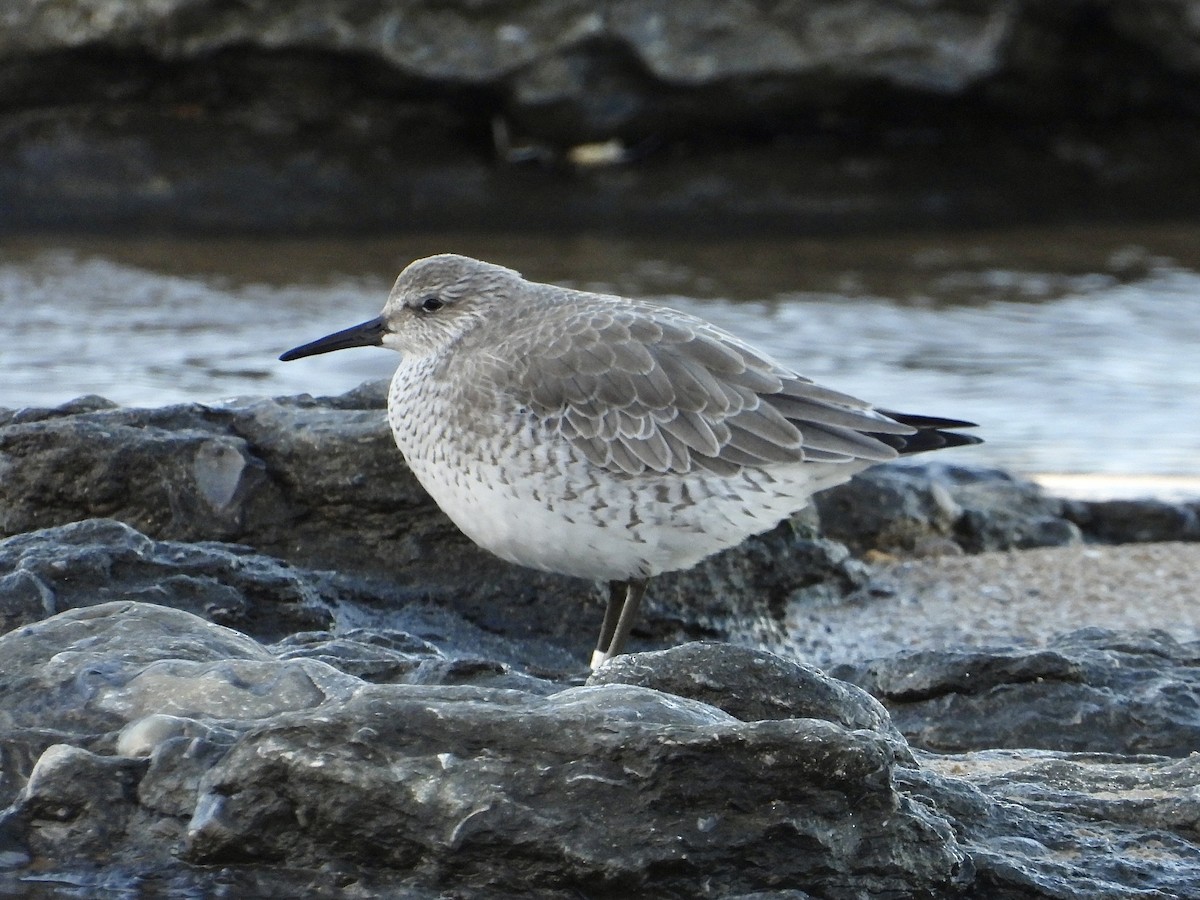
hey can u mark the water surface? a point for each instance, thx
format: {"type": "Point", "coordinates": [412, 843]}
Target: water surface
{"type": "Point", "coordinates": [1075, 349]}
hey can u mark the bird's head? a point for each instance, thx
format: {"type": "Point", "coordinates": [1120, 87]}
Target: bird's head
{"type": "Point", "coordinates": [434, 303]}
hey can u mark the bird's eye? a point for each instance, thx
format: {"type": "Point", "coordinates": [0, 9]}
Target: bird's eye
{"type": "Point", "coordinates": [432, 304]}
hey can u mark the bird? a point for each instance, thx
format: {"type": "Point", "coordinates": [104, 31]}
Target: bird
{"type": "Point", "coordinates": [607, 438]}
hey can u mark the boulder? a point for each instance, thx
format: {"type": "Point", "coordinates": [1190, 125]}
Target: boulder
{"type": "Point", "coordinates": [938, 508]}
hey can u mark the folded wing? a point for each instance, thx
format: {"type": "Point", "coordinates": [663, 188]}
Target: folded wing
{"type": "Point", "coordinates": [640, 389]}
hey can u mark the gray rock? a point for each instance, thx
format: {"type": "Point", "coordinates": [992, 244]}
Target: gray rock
{"type": "Point", "coordinates": [80, 800]}
{"type": "Point", "coordinates": [924, 509]}
{"type": "Point", "coordinates": [86, 676]}
{"type": "Point", "coordinates": [257, 782]}
{"type": "Point", "coordinates": [1092, 690]}
{"type": "Point", "coordinates": [398, 657]}
{"type": "Point", "coordinates": [454, 784]}
{"type": "Point", "coordinates": [397, 777]}
{"type": "Point", "coordinates": [1040, 824]}
{"type": "Point", "coordinates": [1136, 521]}
{"type": "Point", "coordinates": [99, 560]}
{"type": "Point", "coordinates": [752, 685]}
{"type": "Point", "coordinates": [937, 507]}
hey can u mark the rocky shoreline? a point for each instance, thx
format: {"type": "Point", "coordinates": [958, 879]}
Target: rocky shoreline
{"type": "Point", "coordinates": [243, 652]}
{"type": "Point", "coordinates": [345, 117]}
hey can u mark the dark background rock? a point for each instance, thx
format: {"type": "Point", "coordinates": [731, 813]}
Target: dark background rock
{"type": "Point", "coordinates": [1136, 521]}
{"type": "Point", "coordinates": [345, 114]}
{"type": "Point", "coordinates": [936, 507]}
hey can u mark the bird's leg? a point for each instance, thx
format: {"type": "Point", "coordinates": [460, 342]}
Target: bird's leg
{"type": "Point", "coordinates": [624, 599]}
{"type": "Point", "coordinates": [612, 614]}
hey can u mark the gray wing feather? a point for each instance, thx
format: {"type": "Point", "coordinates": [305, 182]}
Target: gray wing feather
{"type": "Point", "coordinates": [694, 431]}
{"type": "Point", "coordinates": [638, 389]}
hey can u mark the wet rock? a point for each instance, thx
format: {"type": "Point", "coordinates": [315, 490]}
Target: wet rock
{"type": "Point", "coordinates": [751, 685]}
{"type": "Point", "coordinates": [432, 780]}
{"type": "Point", "coordinates": [84, 676]}
{"type": "Point", "coordinates": [82, 800]}
{"type": "Point", "coordinates": [419, 789]}
{"type": "Point", "coordinates": [612, 787]}
{"type": "Point", "coordinates": [99, 560]}
{"type": "Point", "coordinates": [378, 656]}
{"type": "Point", "coordinates": [1092, 690]}
{"type": "Point", "coordinates": [561, 786]}
{"type": "Point", "coordinates": [1040, 824]}
{"type": "Point", "coordinates": [384, 656]}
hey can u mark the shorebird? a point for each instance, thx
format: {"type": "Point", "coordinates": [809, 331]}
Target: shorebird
{"type": "Point", "coordinates": [607, 438]}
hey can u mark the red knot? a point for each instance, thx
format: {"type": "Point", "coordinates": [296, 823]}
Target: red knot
{"type": "Point", "coordinates": [607, 438]}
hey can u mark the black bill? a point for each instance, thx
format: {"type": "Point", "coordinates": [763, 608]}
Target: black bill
{"type": "Point", "coordinates": [366, 334]}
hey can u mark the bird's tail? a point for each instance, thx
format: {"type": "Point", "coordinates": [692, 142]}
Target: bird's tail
{"type": "Point", "coordinates": [932, 433]}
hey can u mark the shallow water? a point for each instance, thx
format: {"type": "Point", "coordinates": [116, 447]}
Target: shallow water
{"type": "Point", "coordinates": [1075, 349]}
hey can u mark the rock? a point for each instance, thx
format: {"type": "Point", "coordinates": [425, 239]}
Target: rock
{"type": "Point", "coordinates": [395, 777]}
{"type": "Point", "coordinates": [398, 657]}
{"type": "Point", "coordinates": [431, 780]}
{"type": "Point", "coordinates": [937, 507]}
{"type": "Point", "coordinates": [1091, 690]}
{"type": "Point", "coordinates": [86, 674]}
{"type": "Point", "coordinates": [348, 115]}
{"type": "Point", "coordinates": [1136, 521]}
{"type": "Point", "coordinates": [80, 800]}
{"type": "Point", "coordinates": [752, 685]}
{"type": "Point", "coordinates": [266, 787]}
{"type": "Point", "coordinates": [1039, 824]}
{"type": "Point", "coordinates": [98, 560]}
{"type": "Point", "coordinates": [915, 509]}
{"type": "Point", "coordinates": [188, 472]}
